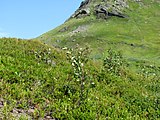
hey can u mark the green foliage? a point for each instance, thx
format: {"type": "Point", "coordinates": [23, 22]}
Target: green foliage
{"type": "Point", "coordinates": [151, 71]}
{"type": "Point", "coordinates": [114, 62]}
{"type": "Point", "coordinates": [136, 37]}
{"type": "Point", "coordinates": [42, 81]}
{"type": "Point", "coordinates": [78, 58]}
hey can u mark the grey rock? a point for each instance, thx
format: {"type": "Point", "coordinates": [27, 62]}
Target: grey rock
{"type": "Point", "coordinates": [1, 99]}
{"type": "Point", "coordinates": [15, 111]}
{"type": "Point", "coordinates": [103, 12]}
{"type": "Point", "coordinates": [63, 29]}
{"type": "Point", "coordinates": [31, 111]}
{"type": "Point", "coordinates": [82, 13]}
{"type": "Point", "coordinates": [1, 103]}
{"type": "Point", "coordinates": [20, 110]}
{"type": "Point", "coordinates": [1, 106]}
{"type": "Point", "coordinates": [48, 117]}
{"type": "Point", "coordinates": [102, 9]}
{"type": "Point", "coordinates": [83, 10]}
{"type": "Point", "coordinates": [84, 3]}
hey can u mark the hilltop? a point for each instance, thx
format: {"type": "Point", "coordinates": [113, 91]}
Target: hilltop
{"type": "Point", "coordinates": [102, 63]}
{"type": "Point", "coordinates": [99, 24]}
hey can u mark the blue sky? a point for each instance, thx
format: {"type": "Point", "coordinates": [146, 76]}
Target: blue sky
{"type": "Point", "coordinates": [31, 18]}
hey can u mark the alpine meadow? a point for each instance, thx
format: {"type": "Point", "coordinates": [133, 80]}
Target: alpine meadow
{"type": "Point", "coordinates": [102, 63]}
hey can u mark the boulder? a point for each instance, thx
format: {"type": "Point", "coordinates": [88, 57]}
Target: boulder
{"type": "Point", "coordinates": [83, 10]}
{"type": "Point", "coordinates": [82, 13]}
{"type": "Point", "coordinates": [101, 11]}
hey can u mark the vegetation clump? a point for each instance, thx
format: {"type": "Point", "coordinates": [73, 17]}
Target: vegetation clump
{"type": "Point", "coordinates": [39, 81]}
{"type": "Point", "coordinates": [75, 87]}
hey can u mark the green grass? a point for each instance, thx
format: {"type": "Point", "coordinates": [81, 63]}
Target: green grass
{"type": "Point", "coordinates": [43, 80]}
{"type": "Point", "coordinates": [29, 81]}
{"type": "Point", "coordinates": [136, 36]}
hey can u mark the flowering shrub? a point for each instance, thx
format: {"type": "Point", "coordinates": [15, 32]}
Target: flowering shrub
{"type": "Point", "coordinates": [114, 62]}
{"type": "Point", "coordinates": [78, 57]}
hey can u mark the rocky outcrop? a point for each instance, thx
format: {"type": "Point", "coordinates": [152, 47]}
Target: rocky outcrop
{"type": "Point", "coordinates": [101, 8]}
{"type": "Point", "coordinates": [84, 3]}
{"type": "Point", "coordinates": [82, 13]}
{"type": "Point", "coordinates": [102, 11]}
{"type": "Point", "coordinates": [83, 10]}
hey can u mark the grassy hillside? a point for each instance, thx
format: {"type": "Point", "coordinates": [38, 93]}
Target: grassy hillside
{"type": "Point", "coordinates": [137, 36]}
{"type": "Point", "coordinates": [86, 69]}
{"type": "Point", "coordinates": [39, 81]}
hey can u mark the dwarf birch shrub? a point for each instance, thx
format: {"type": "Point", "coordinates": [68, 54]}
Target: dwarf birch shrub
{"type": "Point", "coordinates": [114, 63]}
{"type": "Point", "coordinates": [78, 58]}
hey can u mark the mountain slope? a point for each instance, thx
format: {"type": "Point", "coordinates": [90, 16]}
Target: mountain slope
{"type": "Point", "coordinates": [38, 81]}
{"type": "Point", "coordinates": [102, 63]}
{"type": "Point", "coordinates": [137, 35]}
